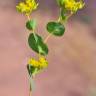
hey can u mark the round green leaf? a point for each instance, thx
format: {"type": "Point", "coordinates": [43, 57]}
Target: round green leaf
{"type": "Point", "coordinates": [31, 24]}
{"type": "Point", "coordinates": [55, 28]}
{"type": "Point", "coordinates": [36, 44]}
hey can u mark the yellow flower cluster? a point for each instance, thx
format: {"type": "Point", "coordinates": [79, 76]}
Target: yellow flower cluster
{"type": "Point", "coordinates": [73, 5]}
{"type": "Point", "coordinates": [41, 63]}
{"type": "Point", "coordinates": [27, 7]}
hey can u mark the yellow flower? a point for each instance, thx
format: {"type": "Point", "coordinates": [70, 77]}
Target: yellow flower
{"type": "Point", "coordinates": [33, 62]}
{"type": "Point", "coordinates": [40, 64]}
{"type": "Point", "coordinates": [32, 4]}
{"type": "Point", "coordinates": [73, 5]}
{"type": "Point", "coordinates": [43, 62]}
{"type": "Point", "coordinates": [27, 7]}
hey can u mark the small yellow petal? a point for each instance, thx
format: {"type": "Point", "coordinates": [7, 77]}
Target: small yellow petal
{"type": "Point", "coordinates": [33, 62]}
{"type": "Point", "coordinates": [43, 62]}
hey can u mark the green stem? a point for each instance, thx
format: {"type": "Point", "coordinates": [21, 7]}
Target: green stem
{"type": "Point", "coordinates": [46, 39]}
{"type": "Point", "coordinates": [30, 93]}
{"type": "Point", "coordinates": [31, 85]}
{"type": "Point", "coordinates": [59, 19]}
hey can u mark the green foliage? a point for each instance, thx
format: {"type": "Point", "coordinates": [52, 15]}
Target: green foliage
{"type": "Point", "coordinates": [32, 70]}
{"type": "Point", "coordinates": [36, 44]}
{"type": "Point", "coordinates": [60, 2]}
{"type": "Point", "coordinates": [31, 24]}
{"type": "Point", "coordinates": [63, 14]}
{"type": "Point", "coordinates": [56, 28]}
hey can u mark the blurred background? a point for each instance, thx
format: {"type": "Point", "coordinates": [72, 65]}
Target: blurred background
{"type": "Point", "coordinates": [72, 58]}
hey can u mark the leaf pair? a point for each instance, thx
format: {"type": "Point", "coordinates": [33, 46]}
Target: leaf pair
{"type": "Point", "coordinates": [36, 42]}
